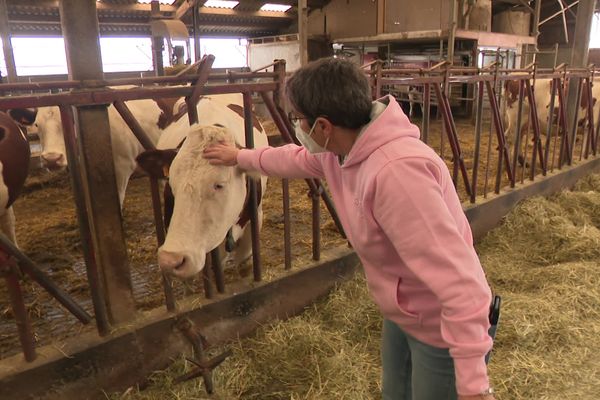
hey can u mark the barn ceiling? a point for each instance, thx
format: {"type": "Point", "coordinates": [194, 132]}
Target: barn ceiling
{"type": "Point", "coordinates": [130, 17]}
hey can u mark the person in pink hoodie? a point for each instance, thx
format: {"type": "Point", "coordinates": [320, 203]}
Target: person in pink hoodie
{"type": "Point", "coordinates": [402, 215]}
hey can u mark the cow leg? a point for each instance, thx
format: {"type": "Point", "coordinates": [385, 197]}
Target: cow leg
{"type": "Point", "coordinates": [7, 224]}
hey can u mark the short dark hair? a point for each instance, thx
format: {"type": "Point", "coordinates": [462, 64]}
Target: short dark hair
{"type": "Point", "coordinates": [334, 88]}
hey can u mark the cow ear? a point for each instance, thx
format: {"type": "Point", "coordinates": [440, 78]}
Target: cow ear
{"type": "Point", "coordinates": [156, 162]}
{"type": "Point", "coordinates": [23, 116]}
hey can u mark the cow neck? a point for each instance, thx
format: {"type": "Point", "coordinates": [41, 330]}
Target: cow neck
{"type": "Point", "coordinates": [246, 208]}
{"type": "Point", "coordinates": [167, 116]}
{"type": "Point", "coordinates": [14, 156]}
{"type": "Point", "coordinates": [168, 196]}
{"type": "Point", "coordinates": [239, 110]}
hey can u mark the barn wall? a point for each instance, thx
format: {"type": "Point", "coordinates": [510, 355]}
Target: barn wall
{"type": "Point", "coordinates": [344, 18]}
{"type": "Point", "coordinates": [410, 15]}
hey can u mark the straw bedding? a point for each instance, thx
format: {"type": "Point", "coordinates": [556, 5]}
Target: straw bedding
{"type": "Point", "coordinates": [542, 260]}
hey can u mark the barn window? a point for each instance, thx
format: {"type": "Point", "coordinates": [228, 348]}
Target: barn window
{"type": "Point", "coordinates": [120, 54]}
{"type": "Point", "coordinates": [2, 62]}
{"type": "Point", "coordinates": [228, 52]}
{"type": "Point", "coordinates": [595, 34]}
{"type": "Point", "coordinates": [39, 55]}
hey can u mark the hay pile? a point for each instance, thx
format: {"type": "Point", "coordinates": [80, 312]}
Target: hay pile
{"type": "Point", "coordinates": [542, 260]}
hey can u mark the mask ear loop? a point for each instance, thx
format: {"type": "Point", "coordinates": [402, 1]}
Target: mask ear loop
{"type": "Point", "coordinates": [312, 130]}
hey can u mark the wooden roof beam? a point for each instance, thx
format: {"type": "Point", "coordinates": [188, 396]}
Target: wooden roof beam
{"type": "Point", "coordinates": [244, 14]}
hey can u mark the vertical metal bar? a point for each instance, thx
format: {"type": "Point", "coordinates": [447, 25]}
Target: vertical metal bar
{"type": "Point", "coordinates": [453, 138]}
{"type": "Point", "coordinates": [478, 122]}
{"type": "Point", "coordinates": [316, 224]}
{"type": "Point", "coordinates": [537, 145]}
{"type": "Point", "coordinates": [517, 148]}
{"type": "Point", "coordinates": [565, 146]}
{"type": "Point", "coordinates": [147, 144]}
{"type": "Point", "coordinates": [196, 30]}
{"type": "Point", "coordinates": [550, 125]}
{"type": "Point", "coordinates": [591, 138]}
{"type": "Point", "coordinates": [208, 289]}
{"type": "Point", "coordinates": [556, 84]}
{"type": "Point", "coordinates": [575, 116]}
{"type": "Point", "coordinates": [499, 127]}
{"type": "Point", "coordinates": [217, 266]}
{"type": "Point", "coordinates": [79, 23]}
{"type": "Point", "coordinates": [378, 77]}
{"type": "Point", "coordinates": [7, 268]}
{"type": "Point", "coordinates": [93, 274]}
{"type": "Point", "coordinates": [160, 238]}
{"type": "Point", "coordinates": [7, 48]}
{"type": "Point", "coordinates": [487, 162]}
{"type": "Point", "coordinates": [426, 113]}
{"type": "Point", "coordinates": [287, 237]}
{"type": "Point", "coordinates": [253, 200]}
{"type": "Point", "coordinates": [157, 42]}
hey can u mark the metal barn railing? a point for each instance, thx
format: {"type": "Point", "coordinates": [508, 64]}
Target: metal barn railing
{"type": "Point", "coordinates": [268, 85]}
{"type": "Point", "coordinates": [563, 134]}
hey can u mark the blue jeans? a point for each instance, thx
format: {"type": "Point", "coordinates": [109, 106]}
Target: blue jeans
{"type": "Point", "coordinates": [413, 370]}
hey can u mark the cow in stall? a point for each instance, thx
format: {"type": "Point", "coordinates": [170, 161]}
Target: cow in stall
{"type": "Point", "coordinates": [542, 89]}
{"type": "Point", "coordinates": [543, 92]}
{"type": "Point", "coordinates": [14, 166]}
{"type": "Point", "coordinates": [154, 116]}
{"type": "Point", "coordinates": [207, 202]}
{"type": "Point", "coordinates": [583, 105]}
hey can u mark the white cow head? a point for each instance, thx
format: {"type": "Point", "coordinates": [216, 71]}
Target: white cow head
{"type": "Point", "coordinates": [49, 129]}
{"type": "Point", "coordinates": [208, 199]}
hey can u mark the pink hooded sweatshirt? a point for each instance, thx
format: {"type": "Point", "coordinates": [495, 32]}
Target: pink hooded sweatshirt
{"type": "Point", "coordinates": [402, 215]}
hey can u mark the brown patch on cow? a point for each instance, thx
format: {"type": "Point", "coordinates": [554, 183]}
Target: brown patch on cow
{"type": "Point", "coordinates": [512, 92]}
{"type": "Point", "coordinates": [169, 205]}
{"type": "Point", "coordinates": [156, 163]}
{"type": "Point", "coordinates": [23, 116]}
{"type": "Point", "coordinates": [14, 156]}
{"type": "Point", "coordinates": [167, 116]}
{"type": "Point", "coordinates": [239, 110]}
{"type": "Point", "coordinates": [246, 211]}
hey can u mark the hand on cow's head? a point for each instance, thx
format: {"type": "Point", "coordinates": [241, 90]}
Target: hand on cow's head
{"type": "Point", "coordinates": [156, 163]}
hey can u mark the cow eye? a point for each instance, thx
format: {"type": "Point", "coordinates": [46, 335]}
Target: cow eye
{"type": "Point", "coordinates": [218, 186]}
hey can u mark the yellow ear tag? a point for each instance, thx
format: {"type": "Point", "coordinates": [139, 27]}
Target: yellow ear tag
{"type": "Point", "coordinates": [166, 171]}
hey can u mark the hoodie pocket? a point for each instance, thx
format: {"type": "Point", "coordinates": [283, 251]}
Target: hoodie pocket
{"type": "Point", "coordinates": [403, 305]}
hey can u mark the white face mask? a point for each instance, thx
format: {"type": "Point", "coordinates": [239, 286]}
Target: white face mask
{"type": "Point", "coordinates": [307, 141]}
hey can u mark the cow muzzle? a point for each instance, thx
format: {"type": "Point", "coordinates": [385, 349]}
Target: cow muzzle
{"type": "Point", "coordinates": [173, 264]}
{"type": "Point", "coordinates": [54, 161]}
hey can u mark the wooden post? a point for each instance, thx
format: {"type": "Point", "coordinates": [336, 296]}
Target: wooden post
{"type": "Point", "coordinates": [9, 57]}
{"type": "Point", "coordinates": [380, 16]}
{"type": "Point", "coordinates": [452, 22]}
{"type": "Point", "coordinates": [303, 31]}
{"type": "Point", "coordinates": [79, 23]}
{"type": "Point", "coordinates": [157, 42]}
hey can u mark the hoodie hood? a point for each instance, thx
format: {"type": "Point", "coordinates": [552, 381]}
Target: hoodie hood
{"type": "Point", "coordinates": [385, 126]}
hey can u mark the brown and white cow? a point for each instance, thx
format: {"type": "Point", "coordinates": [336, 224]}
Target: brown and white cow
{"type": "Point", "coordinates": [583, 105]}
{"type": "Point", "coordinates": [14, 166]}
{"type": "Point", "coordinates": [206, 201]}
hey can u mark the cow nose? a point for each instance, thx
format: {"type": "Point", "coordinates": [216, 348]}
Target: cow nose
{"type": "Point", "coordinates": [169, 262]}
{"type": "Point", "coordinates": [53, 161]}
